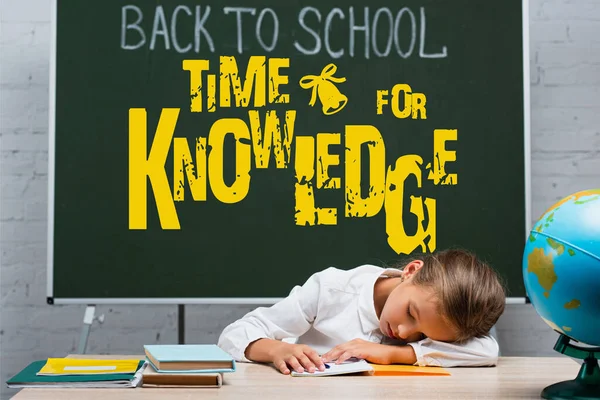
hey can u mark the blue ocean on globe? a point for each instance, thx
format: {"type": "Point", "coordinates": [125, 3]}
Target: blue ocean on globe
{"type": "Point", "coordinates": [561, 266]}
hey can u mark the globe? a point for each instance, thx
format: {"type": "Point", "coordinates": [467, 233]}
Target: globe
{"type": "Point", "coordinates": [561, 266]}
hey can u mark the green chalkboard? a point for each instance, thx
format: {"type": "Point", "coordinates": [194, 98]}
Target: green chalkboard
{"type": "Point", "coordinates": [224, 151]}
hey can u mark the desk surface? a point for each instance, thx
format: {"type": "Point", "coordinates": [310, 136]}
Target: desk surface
{"type": "Point", "coordinates": [513, 378]}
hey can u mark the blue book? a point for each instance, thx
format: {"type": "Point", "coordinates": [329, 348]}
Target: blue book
{"type": "Point", "coordinates": [192, 358]}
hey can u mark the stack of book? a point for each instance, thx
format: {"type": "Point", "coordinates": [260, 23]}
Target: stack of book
{"type": "Point", "coordinates": [79, 373]}
{"type": "Point", "coordinates": [200, 365]}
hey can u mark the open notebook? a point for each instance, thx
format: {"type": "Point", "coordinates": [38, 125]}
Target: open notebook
{"type": "Point", "coordinates": [354, 365]}
{"type": "Point", "coordinates": [349, 367]}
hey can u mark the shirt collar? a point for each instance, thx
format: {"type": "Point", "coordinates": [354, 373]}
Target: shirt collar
{"type": "Point", "coordinates": [366, 307]}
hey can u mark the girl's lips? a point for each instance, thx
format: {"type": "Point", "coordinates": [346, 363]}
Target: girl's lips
{"type": "Point", "coordinates": [389, 331]}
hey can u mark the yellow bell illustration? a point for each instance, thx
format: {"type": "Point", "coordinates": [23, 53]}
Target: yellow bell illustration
{"type": "Point", "coordinates": [330, 96]}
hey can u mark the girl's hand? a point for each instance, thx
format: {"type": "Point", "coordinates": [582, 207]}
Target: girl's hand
{"type": "Point", "coordinates": [359, 348]}
{"type": "Point", "coordinates": [297, 357]}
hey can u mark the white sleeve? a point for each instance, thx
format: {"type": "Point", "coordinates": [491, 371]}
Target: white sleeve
{"type": "Point", "coordinates": [291, 317]}
{"type": "Point", "coordinates": [477, 352]}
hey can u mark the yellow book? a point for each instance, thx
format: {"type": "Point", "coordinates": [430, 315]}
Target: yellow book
{"type": "Point", "coordinates": [74, 366]}
{"type": "Point", "coordinates": [407, 370]}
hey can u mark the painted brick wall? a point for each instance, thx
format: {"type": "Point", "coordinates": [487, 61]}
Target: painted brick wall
{"type": "Point", "coordinates": [565, 100]}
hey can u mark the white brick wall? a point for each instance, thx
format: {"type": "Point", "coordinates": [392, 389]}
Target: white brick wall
{"type": "Point", "coordinates": [565, 99]}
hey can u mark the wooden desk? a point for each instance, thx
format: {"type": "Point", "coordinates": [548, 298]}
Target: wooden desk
{"type": "Point", "coordinates": [513, 378]}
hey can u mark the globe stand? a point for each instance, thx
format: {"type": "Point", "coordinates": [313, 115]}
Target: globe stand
{"type": "Point", "coordinates": [587, 384]}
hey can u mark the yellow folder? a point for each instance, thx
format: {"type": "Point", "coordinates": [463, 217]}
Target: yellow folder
{"type": "Point", "coordinates": [75, 366]}
{"type": "Point", "coordinates": [407, 370]}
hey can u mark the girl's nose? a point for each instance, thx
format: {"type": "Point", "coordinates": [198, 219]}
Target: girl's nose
{"type": "Point", "coordinates": [404, 332]}
{"type": "Point", "coordinates": [408, 333]}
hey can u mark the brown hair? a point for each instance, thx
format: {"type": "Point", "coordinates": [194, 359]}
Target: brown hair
{"type": "Point", "coordinates": [469, 292]}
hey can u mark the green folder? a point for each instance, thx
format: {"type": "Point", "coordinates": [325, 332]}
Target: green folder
{"type": "Point", "coordinates": [27, 378]}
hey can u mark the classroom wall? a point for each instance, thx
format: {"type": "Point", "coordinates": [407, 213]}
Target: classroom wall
{"type": "Point", "coordinates": [565, 100]}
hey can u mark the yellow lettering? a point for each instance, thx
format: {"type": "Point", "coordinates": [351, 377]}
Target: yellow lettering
{"type": "Point", "coordinates": [255, 77]}
{"type": "Point", "coordinates": [398, 240]}
{"type": "Point", "coordinates": [356, 205]}
{"type": "Point", "coordinates": [418, 104]}
{"type": "Point", "coordinates": [211, 102]}
{"type": "Point", "coordinates": [306, 213]}
{"type": "Point", "coordinates": [276, 80]}
{"type": "Point", "coordinates": [325, 160]}
{"type": "Point", "coordinates": [183, 159]}
{"type": "Point", "coordinates": [381, 100]}
{"type": "Point", "coordinates": [441, 156]}
{"type": "Point", "coordinates": [401, 87]}
{"type": "Point", "coordinates": [152, 168]}
{"type": "Point", "coordinates": [196, 67]}
{"type": "Point", "coordinates": [216, 138]}
{"type": "Point", "coordinates": [271, 137]}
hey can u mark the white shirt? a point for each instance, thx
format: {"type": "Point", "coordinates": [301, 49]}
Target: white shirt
{"type": "Point", "coordinates": [335, 306]}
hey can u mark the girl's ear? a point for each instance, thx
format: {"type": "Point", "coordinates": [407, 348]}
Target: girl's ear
{"type": "Point", "coordinates": [411, 268]}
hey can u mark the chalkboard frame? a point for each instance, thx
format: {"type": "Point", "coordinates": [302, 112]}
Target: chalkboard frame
{"type": "Point", "coordinates": [52, 300]}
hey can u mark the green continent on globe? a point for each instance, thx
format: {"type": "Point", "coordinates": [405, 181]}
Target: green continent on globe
{"type": "Point", "coordinates": [543, 267]}
{"type": "Point", "coordinates": [544, 223]}
{"type": "Point", "coordinates": [590, 193]}
{"type": "Point", "coordinates": [559, 247]}
{"type": "Point", "coordinates": [572, 304]}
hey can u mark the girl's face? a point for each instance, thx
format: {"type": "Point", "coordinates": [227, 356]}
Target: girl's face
{"type": "Point", "coordinates": [410, 312]}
